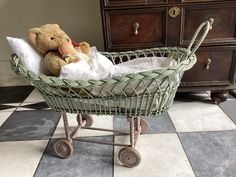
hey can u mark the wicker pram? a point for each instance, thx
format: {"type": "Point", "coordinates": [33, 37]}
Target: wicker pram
{"type": "Point", "coordinates": [133, 95]}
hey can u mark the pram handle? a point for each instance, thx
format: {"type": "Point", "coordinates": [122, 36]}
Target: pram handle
{"type": "Point", "coordinates": [208, 26]}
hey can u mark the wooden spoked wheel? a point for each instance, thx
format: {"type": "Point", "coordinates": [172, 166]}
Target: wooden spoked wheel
{"type": "Point", "coordinates": [129, 157]}
{"type": "Point", "coordinates": [63, 148]}
{"type": "Point", "coordinates": [88, 118]}
{"type": "Point", "coordinates": [144, 125]}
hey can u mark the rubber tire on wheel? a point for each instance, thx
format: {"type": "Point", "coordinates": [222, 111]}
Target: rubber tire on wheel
{"type": "Point", "coordinates": [88, 118]}
{"type": "Point", "coordinates": [130, 157]}
{"type": "Point", "coordinates": [144, 125]}
{"type": "Point", "coordinates": [63, 148]}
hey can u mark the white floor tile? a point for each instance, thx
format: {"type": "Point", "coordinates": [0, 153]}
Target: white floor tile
{"type": "Point", "coordinates": [20, 158]}
{"type": "Point", "coordinates": [99, 122]}
{"type": "Point", "coordinates": [198, 116]}
{"type": "Point", "coordinates": [4, 116]}
{"type": "Point", "coordinates": [34, 97]}
{"type": "Point", "coordinates": [162, 156]}
{"type": "Point", "coordinates": [12, 104]}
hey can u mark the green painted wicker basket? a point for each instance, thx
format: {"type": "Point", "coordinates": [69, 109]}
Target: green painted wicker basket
{"type": "Point", "coordinates": [140, 94]}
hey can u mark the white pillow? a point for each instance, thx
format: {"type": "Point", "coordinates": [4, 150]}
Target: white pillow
{"type": "Point", "coordinates": [30, 59]}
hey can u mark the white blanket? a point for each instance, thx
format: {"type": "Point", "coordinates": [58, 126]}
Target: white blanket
{"type": "Point", "coordinates": [100, 67]}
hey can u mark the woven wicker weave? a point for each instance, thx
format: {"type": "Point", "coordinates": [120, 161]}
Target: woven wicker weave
{"type": "Point", "coordinates": [144, 93]}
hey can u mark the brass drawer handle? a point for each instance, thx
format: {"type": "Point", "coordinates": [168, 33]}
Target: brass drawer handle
{"type": "Point", "coordinates": [174, 12]}
{"type": "Point", "coordinates": [207, 63]}
{"type": "Point", "coordinates": [135, 27]}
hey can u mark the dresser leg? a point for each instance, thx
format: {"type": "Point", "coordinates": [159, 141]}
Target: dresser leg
{"type": "Point", "coordinates": [233, 93]}
{"type": "Point", "coordinates": [219, 96]}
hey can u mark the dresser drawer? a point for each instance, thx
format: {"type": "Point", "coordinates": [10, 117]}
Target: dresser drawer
{"type": "Point", "coordinates": [118, 3]}
{"type": "Point", "coordinates": [223, 31]}
{"type": "Point", "coordinates": [128, 29]}
{"type": "Point", "coordinates": [214, 66]}
{"type": "Point", "coordinates": [204, 0]}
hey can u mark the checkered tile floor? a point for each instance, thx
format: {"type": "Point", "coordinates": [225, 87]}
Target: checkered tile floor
{"type": "Point", "coordinates": [194, 139]}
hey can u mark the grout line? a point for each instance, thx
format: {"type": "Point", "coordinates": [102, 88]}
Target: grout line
{"type": "Point", "coordinates": [18, 106]}
{"type": "Point", "coordinates": [186, 154]}
{"type": "Point", "coordinates": [6, 120]}
{"type": "Point", "coordinates": [55, 128]}
{"type": "Point", "coordinates": [227, 114]}
{"type": "Point", "coordinates": [42, 157]}
{"type": "Point", "coordinates": [175, 131]}
{"type": "Point", "coordinates": [183, 148]}
{"type": "Point", "coordinates": [206, 131]}
{"type": "Point", "coordinates": [113, 158]}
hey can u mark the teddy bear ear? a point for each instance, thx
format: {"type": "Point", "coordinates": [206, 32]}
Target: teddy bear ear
{"type": "Point", "coordinates": [33, 32]}
{"type": "Point", "coordinates": [57, 25]}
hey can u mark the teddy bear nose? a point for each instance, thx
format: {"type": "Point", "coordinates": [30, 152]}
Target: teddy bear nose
{"type": "Point", "coordinates": [52, 38]}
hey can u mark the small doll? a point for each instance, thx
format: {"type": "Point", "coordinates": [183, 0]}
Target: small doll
{"type": "Point", "coordinates": [74, 54]}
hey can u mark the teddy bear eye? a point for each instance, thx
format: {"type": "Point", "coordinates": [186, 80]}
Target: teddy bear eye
{"type": "Point", "coordinates": [52, 38]}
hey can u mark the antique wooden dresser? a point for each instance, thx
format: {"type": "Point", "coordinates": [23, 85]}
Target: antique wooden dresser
{"type": "Point", "coordinates": [135, 24]}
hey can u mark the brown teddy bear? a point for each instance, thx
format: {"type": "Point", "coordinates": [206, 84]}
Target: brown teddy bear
{"type": "Point", "coordinates": [46, 39]}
